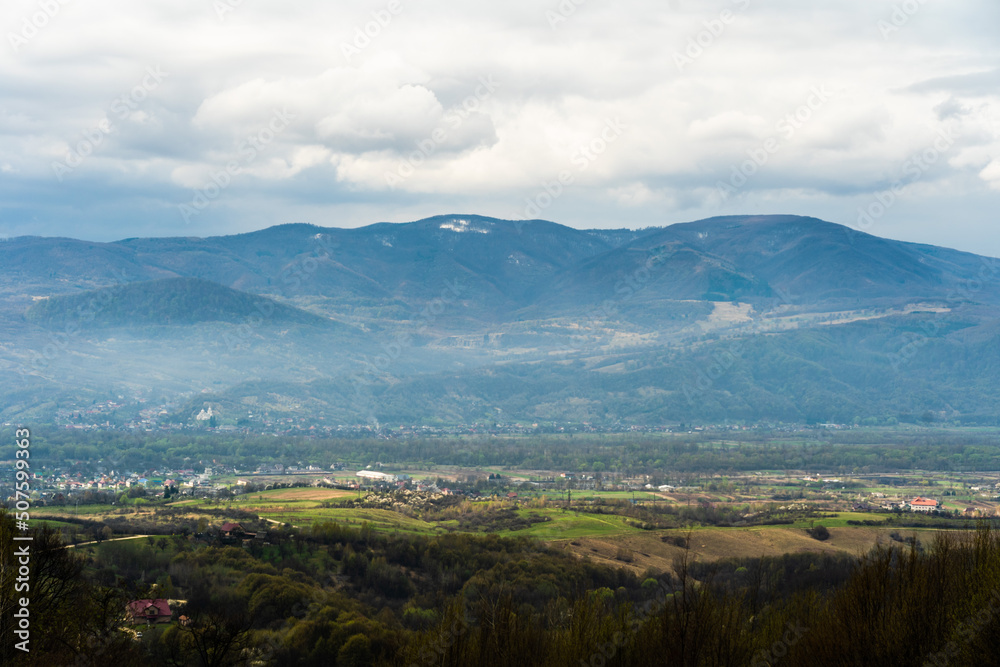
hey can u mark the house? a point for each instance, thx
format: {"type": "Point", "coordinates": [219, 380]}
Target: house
{"type": "Point", "coordinates": [231, 529]}
{"type": "Point", "coordinates": [923, 505]}
{"type": "Point", "coordinates": [235, 531]}
{"type": "Point", "coordinates": [149, 611]}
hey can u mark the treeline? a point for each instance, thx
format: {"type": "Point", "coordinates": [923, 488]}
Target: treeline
{"type": "Point", "coordinates": [354, 596]}
{"type": "Point", "coordinates": [166, 301]}
{"type": "Point", "coordinates": [895, 606]}
{"type": "Point", "coordinates": [842, 452]}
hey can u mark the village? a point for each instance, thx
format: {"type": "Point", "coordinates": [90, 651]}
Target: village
{"type": "Point", "coordinates": [973, 495]}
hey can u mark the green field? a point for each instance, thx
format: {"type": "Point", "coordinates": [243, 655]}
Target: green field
{"type": "Point", "coordinates": [839, 520]}
{"type": "Point", "coordinates": [565, 525]}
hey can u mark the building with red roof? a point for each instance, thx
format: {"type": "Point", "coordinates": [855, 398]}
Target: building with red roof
{"type": "Point", "coordinates": [924, 505]}
{"type": "Point", "coordinates": [150, 611]}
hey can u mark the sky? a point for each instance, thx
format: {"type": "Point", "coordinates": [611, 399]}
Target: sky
{"type": "Point", "coordinates": [208, 117]}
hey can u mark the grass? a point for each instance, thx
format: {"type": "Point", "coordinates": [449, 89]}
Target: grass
{"type": "Point", "coordinates": [385, 520]}
{"type": "Point", "coordinates": [839, 520]}
{"type": "Point", "coordinates": [555, 496]}
{"type": "Point", "coordinates": [565, 525]}
{"type": "Point", "coordinates": [52, 523]}
{"type": "Point", "coordinates": [286, 500]}
{"type": "Point", "coordinates": [82, 510]}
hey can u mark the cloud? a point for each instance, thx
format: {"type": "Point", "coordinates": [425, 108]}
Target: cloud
{"type": "Point", "coordinates": [407, 97]}
{"type": "Point", "coordinates": [991, 174]}
{"type": "Point", "coordinates": [985, 83]}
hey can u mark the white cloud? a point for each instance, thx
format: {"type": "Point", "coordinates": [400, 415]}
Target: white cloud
{"type": "Point", "coordinates": [358, 118]}
{"type": "Point", "coordinates": [991, 174]}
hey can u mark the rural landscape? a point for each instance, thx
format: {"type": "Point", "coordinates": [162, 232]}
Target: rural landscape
{"type": "Point", "coordinates": [729, 442]}
{"type": "Point", "coordinates": [395, 551]}
{"type": "Point", "coordinates": [522, 334]}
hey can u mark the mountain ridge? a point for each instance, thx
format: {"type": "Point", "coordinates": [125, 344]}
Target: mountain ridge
{"type": "Point", "coordinates": [457, 317]}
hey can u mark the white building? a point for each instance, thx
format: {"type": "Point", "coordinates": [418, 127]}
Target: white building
{"type": "Point", "coordinates": [376, 476]}
{"type": "Point", "coordinates": [923, 505]}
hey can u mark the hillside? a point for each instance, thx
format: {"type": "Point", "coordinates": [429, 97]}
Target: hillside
{"type": "Point", "coordinates": [467, 319]}
{"type": "Point", "coordinates": [176, 301]}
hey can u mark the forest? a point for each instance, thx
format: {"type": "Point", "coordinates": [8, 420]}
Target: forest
{"type": "Point", "coordinates": [842, 452]}
{"type": "Point", "coordinates": [339, 595]}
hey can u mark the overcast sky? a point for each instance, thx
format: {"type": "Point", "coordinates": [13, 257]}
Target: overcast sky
{"type": "Point", "coordinates": [207, 117]}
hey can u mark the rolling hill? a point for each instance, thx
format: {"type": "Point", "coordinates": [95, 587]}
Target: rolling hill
{"type": "Point", "coordinates": [168, 301]}
{"type": "Point", "coordinates": [463, 318]}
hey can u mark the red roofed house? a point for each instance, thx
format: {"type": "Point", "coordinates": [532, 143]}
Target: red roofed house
{"type": "Point", "coordinates": [150, 611]}
{"type": "Point", "coordinates": [923, 505]}
{"type": "Point", "coordinates": [235, 531]}
{"type": "Point", "coordinates": [232, 529]}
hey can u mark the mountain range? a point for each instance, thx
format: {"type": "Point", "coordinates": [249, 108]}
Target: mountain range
{"type": "Point", "coordinates": [468, 319]}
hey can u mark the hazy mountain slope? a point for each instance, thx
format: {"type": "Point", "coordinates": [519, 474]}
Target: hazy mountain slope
{"type": "Point", "coordinates": [868, 371]}
{"type": "Point", "coordinates": [437, 320]}
{"type": "Point", "coordinates": [178, 301]}
{"type": "Point", "coordinates": [810, 260]}
{"type": "Point", "coordinates": [58, 265]}
{"type": "Point", "coordinates": [503, 266]}
{"type": "Point", "coordinates": [649, 273]}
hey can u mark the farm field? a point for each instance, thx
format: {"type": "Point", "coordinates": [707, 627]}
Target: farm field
{"type": "Point", "coordinates": [646, 549]}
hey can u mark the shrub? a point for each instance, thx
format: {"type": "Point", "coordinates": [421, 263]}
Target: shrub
{"type": "Point", "coordinates": [820, 532]}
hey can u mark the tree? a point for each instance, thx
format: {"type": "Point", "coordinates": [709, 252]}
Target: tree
{"type": "Point", "coordinates": [819, 532]}
{"type": "Point", "coordinates": [356, 652]}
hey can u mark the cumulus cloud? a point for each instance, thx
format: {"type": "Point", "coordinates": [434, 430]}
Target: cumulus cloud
{"type": "Point", "coordinates": [439, 106]}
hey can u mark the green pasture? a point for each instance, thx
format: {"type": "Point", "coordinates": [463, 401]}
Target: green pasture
{"type": "Point", "coordinates": [565, 524]}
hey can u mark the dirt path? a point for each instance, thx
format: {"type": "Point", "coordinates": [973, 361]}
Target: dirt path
{"type": "Point", "coordinates": [113, 539]}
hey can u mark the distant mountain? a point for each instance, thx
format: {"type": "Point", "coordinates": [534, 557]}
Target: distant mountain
{"type": "Point", "coordinates": [503, 266]}
{"type": "Point", "coordinates": [778, 259]}
{"type": "Point", "coordinates": [469, 318]}
{"type": "Point", "coordinates": [876, 373]}
{"type": "Point", "coordinates": [170, 301]}
{"type": "Point", "coordinates": [812, 260]}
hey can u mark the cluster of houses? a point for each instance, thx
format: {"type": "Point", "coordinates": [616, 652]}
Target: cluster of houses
{"type": "Point", "coordinates": [60, 485]}
{"type": "Point", "coordinates": [398, 479]}
{"type": "Point", "coordinates": [118, 482]}
{"type": "Point", "coordinates": [918, 504]}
